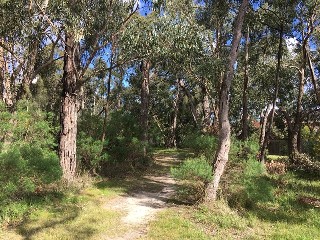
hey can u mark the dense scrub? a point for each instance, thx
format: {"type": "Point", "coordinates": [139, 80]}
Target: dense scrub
{"type": "Point", "coordinates": [28, 158]}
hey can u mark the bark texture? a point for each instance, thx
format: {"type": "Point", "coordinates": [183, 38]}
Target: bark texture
{"type": "Point", "coordinates": [68, 114]}
{"type": "Point", "coordinates": [245, 124]}
{"type": "Point", "coordinates": [313, 77]}
{"type": "Point", "coordinates": [144, 111]}
{"type": "Point", "coordinates": [5, 81]}
{"type": "Point", "coordinates": [263, 122]}
{"type": "Point", "coordinates": [222, 154]}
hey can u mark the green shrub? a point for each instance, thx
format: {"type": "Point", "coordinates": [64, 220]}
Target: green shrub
{"type": "Point", "coordinates": [26, 167]}
{"type": "Point", "coordinates": [125, 150]}
{"type": "Point", "coordinates": [193, 169]}
{"type": "Point", "coordinates": [249, 175]}
{"type": "Point", "coordinates": [256, 183]}
{"type": "Point", "coordinates": [194, 173]}
{"type": "Point", "coordinates": [242, 150]}
{"type": "Point", "coordinates": [311, 143]}
{"type": "Point", "coordinates": [201, 144]}
{"type": "Point", "coordinates": [31, 125]}
{"type": "Point", "coordinates": [90, 153]}
{"type": "Point", "coordinates": [28, 159]}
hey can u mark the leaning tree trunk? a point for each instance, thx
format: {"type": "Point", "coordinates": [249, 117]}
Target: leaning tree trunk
{"type": "Point", "coordinates": [313, 77]}
{"type": "Point", "coordinates": [263, 147]}
{"type": "Point", "coordinates": [144, 112]}
{"type": "Point", "coordinates": [245, 124]}
{"type": "Point", "coordinates": [221, 158]}
{"type": "Point", "coordinates": [68, 112]}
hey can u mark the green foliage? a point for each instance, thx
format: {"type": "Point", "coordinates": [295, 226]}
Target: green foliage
{"type": "Point", "coordinates": [250, 175]}
{"type": "Point", "coordinates": [28, 124]}
{"type": "Point", "coordinates": [28, 159]}
{"type": "Point", "coordinates": [90, 152]}
{"type": "Point", "coordinates": [193, 169]}
{"type": "Point", "coordinates": [194, 173]}
{"type": "Point", "coordinates": [242, 150]}
{"type": "Point", "coordinates": [311, 143]}
{"type": "Point", "coordinates": [25, 167]}
{"type": "Point", "coordinates": [201, 144]}
{"type": "Point", "coordinates": [123, 137]}
{"type": "Point", "coordinates": [257, 186]}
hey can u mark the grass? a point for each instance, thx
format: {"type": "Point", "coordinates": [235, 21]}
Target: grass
{"type": "Point", "coordinates": [173, 225]}
{"type": "Point", "coordinates": [275, 157]}
{"type": "Point", "coordinates": [283, 218]}
{"type": "Point", "coordinates": [255, 205]}
{"type": "Point", "coordinates": [74, 215]}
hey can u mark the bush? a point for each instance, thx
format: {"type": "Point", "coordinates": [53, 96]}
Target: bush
{"type": "Point", "coordinates": [28, 159]}
{"type": "Point", "coordinates": [201, 145]}
{"type": "Point", "coordinates": [311, 143]}
{"type": "Point", "coordinates": [194, 173]}
{"type": "Point", "coordinates": [125, 150]}
{"type": "Point", "coordinates": [30, 125]}
{"type": "Point", "coordinates": [243, 150]}
{"type": "Point", "coordinates": [248, 174]}
{"type": "Point", "coordinates": [193, 169]}
{"type": "Point", "coordinates": [90, 153]}
{"type": "Point", "coordinates": [24, 169]}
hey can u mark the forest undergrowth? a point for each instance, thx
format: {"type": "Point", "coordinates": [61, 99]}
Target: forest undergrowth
{"type": "Point", "coordinates": [253, 205]}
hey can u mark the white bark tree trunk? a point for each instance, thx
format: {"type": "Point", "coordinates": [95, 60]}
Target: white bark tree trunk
{"type": "Point", "coordinates": [222, 154]}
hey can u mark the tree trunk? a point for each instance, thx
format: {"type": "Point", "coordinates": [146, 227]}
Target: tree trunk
{"type": "Point", "coordinates": [173, 138]}
{"type": "Point", "coordinates": [5, 81]}
{"type": "Point", "coordinates": [68, 114]}
{"type": "Point", "coordinates": [28, 74]}
{"type": "Point", "coordinates": [119, 93]}
{"type": "Point", "coordinates": [295, 132]}
{"type": "Point", "coordinates": [224, 125]}
{"type": "Point", "coordinates": [206, 109]}
{"type": "Point", "coordinates": [193, 109]}
{"type": "Point", "coordinates": [264, 120]}
{"type": "Point", "coordinates": [245, 125]}
{"type": "Point", "coordinates": [293, 143]}
{"type": "Point", "coordinates": [107, 103]}
{"type": "Point", "coordinates": [275, 96]}
{"type": "Point", "coordinates": [215, 124]}
{"type": "Point", "coordinates": [144, 112]}
{"type": "Point", "coordinates": [313, 78]}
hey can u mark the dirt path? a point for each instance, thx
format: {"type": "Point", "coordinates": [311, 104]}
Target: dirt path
{"type": "Point", "coordinates": [153, 194]}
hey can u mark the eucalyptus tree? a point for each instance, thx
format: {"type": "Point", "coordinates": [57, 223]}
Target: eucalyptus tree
{"type": "Point", "coordinates": [86, 29]}
{"type": "Point", "coordinates": [216, 18]}
{"type": "Point", "coordinates": [278, 21]}
{"type": "Point", "coordinates": [25, 36]}
{"type": "Point", "coordinates": [307, 13]}
{"type": "Point", "coordinates": [222, 153]}
{"type": "Point", "coordinates": [169, 41]}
